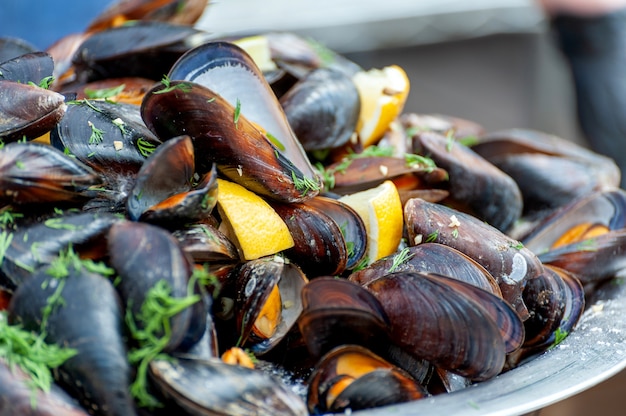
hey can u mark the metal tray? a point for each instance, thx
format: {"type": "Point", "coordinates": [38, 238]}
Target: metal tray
{"type": "Point", "coordinates": [593, 352]}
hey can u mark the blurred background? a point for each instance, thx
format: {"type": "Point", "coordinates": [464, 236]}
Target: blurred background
{"type": "Point", "coordinates": [490, 61]}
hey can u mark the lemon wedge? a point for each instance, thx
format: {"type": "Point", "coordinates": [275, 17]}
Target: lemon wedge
{"type": "Point", "coordinates": [383, 93]}
{"type": "Point", "coordinates": [251, 223]}
{"type": "Point", "coordinates": [381, 211]}
{"type": "Point", "coordinates": [259, 50]}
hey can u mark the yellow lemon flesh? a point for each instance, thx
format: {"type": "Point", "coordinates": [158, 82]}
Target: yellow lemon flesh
{"type": "Point", "coordinates": [253, 225]}
{"type": "Point", "coordinates": [383, 93]}
{"type": "Point", "coordinates": [259, 50]}
{"type": "Point", "coordinates": [381, 211]}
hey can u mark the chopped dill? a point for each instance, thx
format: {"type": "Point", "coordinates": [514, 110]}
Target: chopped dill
{"type": "Point", "coordinates": [432, 237]}
{"type": "Point", "coordinates": [449, 140]}
{"type": "Point", "coordinates": [275, 141]}
{"type": "Point", "coordinates": [104, 93]}
{"type": "Point", "coordinates": [182, 86]}
{"type": "Point", "coordinates": [96, 134]}
{"type": "Point", "coordinates": [516, 245]}
{"type": "Point", "coordinates": [120, 124]}
{"type": "Point", "coordinates": [237, 114]}
{"type": "Point", "coordinates": [414, 161]}
{"type": "Point", "coordinates": [400, 258]}
{"type": "Point", "coordinates": [44, 83]}
{"type": "Point", "coordinates": [8, 217]}
{"type": "Point", "coordinates": [5, 242]}
{"type": "Point", "coordinates": [559, 336]}
{"type": "Point", "coordinates": [57, 224]}
{"type": "Point", "coordinates": [304, 185]}
{"type": "Point", "coordinates": [145, 147]}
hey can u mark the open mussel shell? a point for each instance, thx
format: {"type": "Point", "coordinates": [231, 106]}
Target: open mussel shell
{"type": "Point", "coordinates": [351, 377]}
{"type": "Point", "coordinates": [37, 173]}
{"type": "Point", "coordinates": [144, 49]}
{"type": "Point", "coordinates": [443, 124]}
{"type": "Point", "coordinates": [31, 67]}
{"type": "Point", "coordinates": [506, 259]}
{"type": "Point", "coordinates": [430, 257]}
{"type": "Point", "coordinates": [474, 183]}
{"type": "Point", "coordinates": [337, 312]}
{"type": "Point", "coordinates": [33, 246]}
{"type": "Point", "coordinates": [556, 301]}
{"type": "Point", "coordinates": [88, 318]}
{"type": "Point", "coordinates": [268, 302]}
{"type": "Point", "coordinates": [163, 189]}
{"type": "Point", "coordinates": [212, 387]}
{"type": "Point", "coordinates": [223, 136]}
{"type": "Point", "coordinates": [322, 109]}
{"type": "Point", "coordinates": [205, 243]}
{"type": "Point", "coordinates": [28, 110]}
{"type": "Point", "coordinates": [437, 322]}
{"type": "Point", "coordinates": [132, 246]}
{"type": "Point", "coordinates": [18, 396]}
{"type": "Point", "coordinates": [229, 71]}
{"type": "Point", "coordinates": [108, 137]}
{"type": "Point", "coordinates": [601, 210]}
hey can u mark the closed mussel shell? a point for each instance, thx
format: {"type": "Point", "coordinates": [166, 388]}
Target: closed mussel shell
{"type": "Point", "coordinates": [337, 312]}
{"type": "Point", "coordinates": [322, 109]}
{"type": "Point", "coordinates": [212, 387]}
{"type": "Point", "coordinates": [438, 323]}
{"type": "Point", "coordinates": [31, 67]}
{"type": "Point", "coordinates": [353, 377]}
{"type": "Point", "coordinates": [28, 110]}
{"type": "Point", "coordinates": [143, 255]}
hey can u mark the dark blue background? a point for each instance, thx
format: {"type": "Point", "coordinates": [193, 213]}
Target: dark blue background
{"type": "Point", "coordinates": [42, 22]}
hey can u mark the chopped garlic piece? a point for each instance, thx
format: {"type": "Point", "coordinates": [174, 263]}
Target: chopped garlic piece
{"type": "Point", "coordinates": [454, 222]}
{"type": "Point", "coordinates": [384, 170]}
{"type": "Point", "coordinates": [418, 239]}
{"type": "Point", "coordinates": [119, 145]}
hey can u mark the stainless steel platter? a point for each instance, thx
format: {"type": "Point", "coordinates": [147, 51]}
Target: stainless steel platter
{"type": "Point", "coordinates": [592, 353]}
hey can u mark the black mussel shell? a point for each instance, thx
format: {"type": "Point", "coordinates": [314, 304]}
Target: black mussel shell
{"type": "Point", "coordinates": [205, 243]}
{"type": "Point", "coordinates": [434, 258]}
{"type": "Point", "coordinates": [210, 387]}
{"type": "Point", "coordinates": [352, 377]}
{"type": "Point", "coordinates": [28, 110]}
{"type": "Point", "coordinates": [223, 136]}
{"type": "Point", "coordinates": [505, 258]}
{"type": "Point", "coordinates": [144, 255]}
{"type": "Point", "coordinates": [337, 312]}
{"type": "Point", "coordinates": [11, 47]}
{"type": "Point", "coordinates": [439, 323]}
{"type": "Point", "coordinates": [486, 191]}
{"type": "Point", "coordinates": [143, 49]}
{"type": "Point", "coordinates": [256, 282]}
{"type": "Point", "coordinates": [32, 67]}
{"type": "Point", "coordinates": [163, 188]}
{"type": "Point", "coordinates": [89, 320]}
{"type": "Point", "coordinates": [33, 246]}
{"type": "Point", "coordinates": [110, 138]}
{"type": "Point", "coordinates": [37, 173]}
{"type": "Point", "coordinates": [230, 72]}
{"type": "Point", "coordinates": [18, 396]}
{"type": "Point", "coordinates": [322, 109]}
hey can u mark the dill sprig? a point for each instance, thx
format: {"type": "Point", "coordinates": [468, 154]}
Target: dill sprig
{"type": "Point", "coordinates": [96, 134]}
{"type": "Point", "coordinates": [151, 329]}
{"type": "Point", "coordinates": [400, 258]}
{"type": "Point", "coordinates": [31, 353]}
{"type": "Point", "coordinates": [145, 147]}
{"type": "Point", "coordinates": [304, 184]}
{"type": "Point", "coordinates": [104, 93]}
{"type": "Point", "coordinates": [182, 86]}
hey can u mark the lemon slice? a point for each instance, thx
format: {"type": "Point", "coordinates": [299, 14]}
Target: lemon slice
{"type": "Point", "coordinates": [383, 93]}
{"type": "Point", "coordinates": [381, 211]}
{"type": "Point", "coordinates": [252, 224]}
{"type": "Point", "coordinates": [259, 50]}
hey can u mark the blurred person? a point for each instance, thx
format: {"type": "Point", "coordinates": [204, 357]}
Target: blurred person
{"type": "Point", "coordinates": [592, 36]}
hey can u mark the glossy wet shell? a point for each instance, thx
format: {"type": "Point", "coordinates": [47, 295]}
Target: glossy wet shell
{"type": "Point", "coordinates": [436, 322]}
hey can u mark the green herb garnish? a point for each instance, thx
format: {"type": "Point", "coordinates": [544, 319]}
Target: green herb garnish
{"type": "Point", "coordinates": [559, 336]}
{"type": "Point", "coordinates": [516, 245]}
{"type": "Point", "coordinates": [182, 86]}
{"type": "Point", "coordinates": [58, 224]}
{"type": "Point", "coordinates": [237, 113]}
{"type": "Point", "coordinates": [145, 147]}
{"type": "Point", "coordinates": [275, 141]}
{"type": "Point", "coordinates": [104, 93]}
{"type": "Point", "coordinates": [5, 242]}
{"type": "Point", "coordinates": [304, 185]}
{"type": "Point", "coordinates": [8, 217]}
{"type": "Point", "coordinates": [449, 141]}
{"type": "Point", "coordinates": [120, 124]}
{"type": "Point", "coordinates": [96, 134]}
{"type": "Point", "coordinates": [432, 237]}
{"type": "Point", "coordinates": [44, 83]}
{"type": "Point", "coordinates": [400, 258]}
{"type": "Point", "coordinates": [414, 161]}
{"type": "Point", "coordinates": [455, 233]}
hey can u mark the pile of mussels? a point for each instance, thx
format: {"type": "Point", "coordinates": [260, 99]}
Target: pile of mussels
{"type": "Point", "coordinates": [112, 143]}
